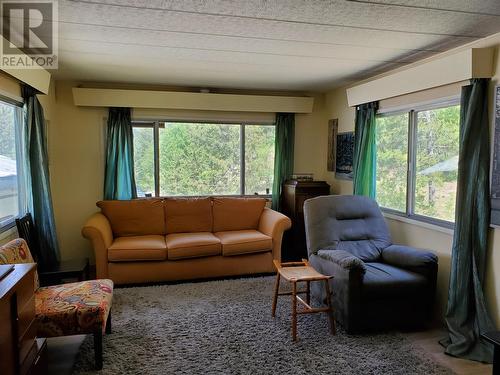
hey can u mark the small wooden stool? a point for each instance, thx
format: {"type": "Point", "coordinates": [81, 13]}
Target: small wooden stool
{"type": "Point", "coordinates": [295, 272]}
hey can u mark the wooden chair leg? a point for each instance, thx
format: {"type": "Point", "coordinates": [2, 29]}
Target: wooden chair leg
{"type": "Point", "coordinates": [308, 292]}
{"type": "Point", "coordinates": [98, 349]}
{"type": "Point", "coordinates": [108, 323]}
{"type": "Point", "coordinates": [276, 291]}
{"type": "Point", "coordinates": [330, 308]}
{"type": "Point", "coordinates": [294, 310]}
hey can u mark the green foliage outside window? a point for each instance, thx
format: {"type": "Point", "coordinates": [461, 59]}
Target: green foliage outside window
{"type": "Point", "coordinates": [204, 159]}
{"type": "Point", "coordinates": [199, 159]}
{"type": "Point", "coordinates": [437, 162]}
{"type": "Point", "coordinates": [392, 154]}
{"type": "Point", "coordinates": [436, 154]}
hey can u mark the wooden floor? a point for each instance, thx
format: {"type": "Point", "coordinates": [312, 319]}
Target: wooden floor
{"type": "Point", "coordinates": [63, 351]}
{"type": "Point", "coordinates": [429, 342]}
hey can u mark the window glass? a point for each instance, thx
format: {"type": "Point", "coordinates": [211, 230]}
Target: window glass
{"type": "Point", "coordinates": [9, 206]}
{"type": "Point", "coordinates": [259, 159]}
{"type": "Point", "coordinates": [437, 162]}
{"type": "Point", "coordinates": [392, 159]}
{"type": "Point", "coordinates": [199, 159]}
{"type": "Point", "coordinates": [144, 160]}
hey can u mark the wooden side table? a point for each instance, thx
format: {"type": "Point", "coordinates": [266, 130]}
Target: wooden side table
{"type": "Point", "coordinates": [494, 338]}
{"type": "Point", "coordinates": [296, 272]}
{"type": "Point", "coordinates": [293, 196]}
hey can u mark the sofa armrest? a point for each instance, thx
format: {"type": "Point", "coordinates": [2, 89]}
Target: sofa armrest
{"type": "Point", "coordinates": [343, 259]}
{"type": "Point", "coordinates": [408, 257]}
{"type": "Point", "coordinates": [274, 224]}
{"type": "Point", "coordinates": [98, 230]}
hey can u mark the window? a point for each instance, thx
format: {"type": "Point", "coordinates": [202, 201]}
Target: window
{"type": "Point", "coordinates": [182, 159]}
{"type": "Point", "coordinates": [144, 157]}
{"type": "Point", "coordinates": [9, 179]}
{"type": "Point", "coordinates": [417, 161]}
{"type": "Point", "coordinates": [392, 160]}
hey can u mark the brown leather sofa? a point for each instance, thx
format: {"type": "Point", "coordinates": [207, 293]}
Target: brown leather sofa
{"type": "Point", "coordinates": [151, 240]}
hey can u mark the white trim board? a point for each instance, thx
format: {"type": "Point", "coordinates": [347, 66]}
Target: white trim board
{"type": "Point", "coordinates": [95, 97]}
{"type": "Point", "coordinates": [461, 66]}
{"type": "Point", "coordinates": [37, 77]}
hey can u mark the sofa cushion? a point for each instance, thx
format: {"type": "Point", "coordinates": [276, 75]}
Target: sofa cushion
{"type": "Point", "coordinates": [134, 217]}
{"type": "Point", "coordinates": [244, 241]}
{"type": "Point", "coordinates": [192, 245]}
{"type": "Point", "coordinates": [137, 248]}
{"type": "Point", "coordinates": [188, 215]}
{"type": "Point", "coordinates": [383, 280]}
{"type": "Point", "coordinates": [237, 213]}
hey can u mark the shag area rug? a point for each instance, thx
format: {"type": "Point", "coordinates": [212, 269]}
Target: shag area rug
{"type": "Point", "coordinates": [225, 327]}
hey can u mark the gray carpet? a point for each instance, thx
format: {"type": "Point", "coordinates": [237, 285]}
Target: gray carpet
{"type": "Point", "coordinates": [225, 327]}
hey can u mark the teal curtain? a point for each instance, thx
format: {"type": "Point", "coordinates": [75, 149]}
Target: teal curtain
{"type": "Point", "coordinates": [35, 144]}
{"type": "Point", "coordinates": [119, 180]}
{"type": "Point", "coordinates": [365, 151]}
{"type": "Point", "coordinates": [283, 154]}
{"type": "Point", "coordinates": [466, 314]}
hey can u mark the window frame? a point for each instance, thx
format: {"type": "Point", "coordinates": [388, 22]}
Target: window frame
{"type": "Point", "coordinates": [411, 175]}
{"type": "Point", "coordinates": [17, 102]}
{"type": "Point", "coordinates": [157, 124]}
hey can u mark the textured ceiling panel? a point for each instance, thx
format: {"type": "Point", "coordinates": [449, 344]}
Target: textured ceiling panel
{"type": "Point", "coordinates": [489, 7]}
{"type": "Point", "coordinates": [293, 44]}
{"type": "Point", "coordinates": [362, 14]}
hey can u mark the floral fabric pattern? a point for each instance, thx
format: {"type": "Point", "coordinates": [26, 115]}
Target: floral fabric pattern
{"type": "Point", "coordinates": [72, 309]}
{"type": "Point", "coordinates": [17, 252]}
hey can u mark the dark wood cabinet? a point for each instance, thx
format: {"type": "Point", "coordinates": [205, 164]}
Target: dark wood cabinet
{"type": "Point", "coordinates": [20, 351]}
{"type": "Point", "coordinates": [295, 193]}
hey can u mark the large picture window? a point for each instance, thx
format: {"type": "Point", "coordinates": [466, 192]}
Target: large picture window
{"type": "Point", "coordinates": [9, 169]}
{"type": "Point", "coordinates": [417, 161]}
{"type": "Point", "coordinates": [185, 159]}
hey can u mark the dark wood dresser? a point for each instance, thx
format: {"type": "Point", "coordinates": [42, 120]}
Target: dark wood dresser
{"type": "Point", "coordinates": [20, 351]}
{"type": "Point", "coordinates": [294, 194]}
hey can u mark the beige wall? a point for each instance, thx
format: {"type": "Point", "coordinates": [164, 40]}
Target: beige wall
{"type": "Point", "coordinates": [414, 234]}
{"type": "Point", "coordinates": [310, 141]}
{"type": "Point", "coordinates": [76, 160]}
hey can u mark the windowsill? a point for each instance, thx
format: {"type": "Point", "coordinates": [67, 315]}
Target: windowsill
{"type": "Point", "coordinates": [417, 222]}
{"type": "Point", "coordinates": [8, 225]}
{"type": "Point", "coordinates": [268, 197]}
{"type": "Point", "coordinates": [7, 230]}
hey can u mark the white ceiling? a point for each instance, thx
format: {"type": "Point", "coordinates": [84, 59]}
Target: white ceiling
{"type": "Point", "coordinates": [259, 44]}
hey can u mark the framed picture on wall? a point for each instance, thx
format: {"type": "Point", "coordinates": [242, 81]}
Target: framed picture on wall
{"type": "Point", "coordinates": [344, 155]}
{"type": "Point", "coordinates": [495, 173]}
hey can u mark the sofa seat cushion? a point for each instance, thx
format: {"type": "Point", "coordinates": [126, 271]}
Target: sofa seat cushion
{"type": "Point", "coordinates": [137, 248]}
{"type": "Point", "coordinates": [237, 242]}
{"type": "Point", "coordinates": [383, 280]}
{"type": "Point", "coordinates": [192, 245]}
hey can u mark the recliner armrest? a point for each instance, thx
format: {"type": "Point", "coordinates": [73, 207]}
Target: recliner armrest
{"type": "Point", "coordinates": [408, 257]}
{"type": "Point", "coordinates": [343, 259]}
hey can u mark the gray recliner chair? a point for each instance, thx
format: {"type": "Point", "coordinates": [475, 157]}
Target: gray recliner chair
{"type": "Point", "coordinates": [376, 284]}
